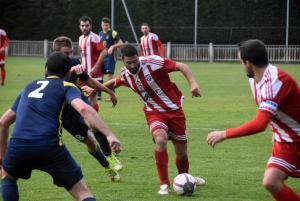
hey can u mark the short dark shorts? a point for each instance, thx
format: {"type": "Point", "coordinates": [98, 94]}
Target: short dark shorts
{"type": "Point", "coordinates": [74, 123]}
{"type": "Point", "coordinates": [19, 161]}
{"type": "Point", "coordinates": [108, 67]}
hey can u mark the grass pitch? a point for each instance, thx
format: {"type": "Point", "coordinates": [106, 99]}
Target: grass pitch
{"type": "Point", "coordinates": [233, 170]}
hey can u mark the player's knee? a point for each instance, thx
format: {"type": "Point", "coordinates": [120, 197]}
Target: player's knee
{"type": "Point", "coordinates": [161, 143]}
{"type": "Point", "coordinates": [271, 185]}
{"type": "Point", "coordinates": [182, 155]}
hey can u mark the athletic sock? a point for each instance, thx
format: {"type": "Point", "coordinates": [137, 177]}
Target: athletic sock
{"type": "Point", "coordinates": [100, 157]}
{"type": "Point", "coordinates": [161, 159]}
{"type": "Point", "coordinates": [9, 190]}
{"type": "Point", "coordinates": [182, 165]}
{"type": "Point", "coordinates": [96, 107]}
{"type": "Point", "coordinates": [286, 194]}
{"type": "Point", "coordinates": [3, 73]}
{"type": "Point", "coordinates": [104, 144]}
{"type": "Point", "coordinates": [100, 92]}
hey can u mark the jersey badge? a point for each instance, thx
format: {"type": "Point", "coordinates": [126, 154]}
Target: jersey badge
{"type": "Point", "coordinates": [269, 106]}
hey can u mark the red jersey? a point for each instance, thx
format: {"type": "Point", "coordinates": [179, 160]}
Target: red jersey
{"type": "Point", "coordinates": [90, 48]}
{"type": "Point", "coordinates": [152, 83]}
{"type": "Point", "coordinates": [4, 40]}
{"type": "Point", "coordinates": [149, 45]}
{"type": "Point", "coordinates": [279, 94]}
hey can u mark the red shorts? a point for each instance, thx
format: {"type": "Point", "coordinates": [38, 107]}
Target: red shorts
{"type": "Point", "coordinates": [286, 157]}
{"type": "Point", "coordinates": [2, 58]}
{"type": "Point", "coordinates": [173, 122]}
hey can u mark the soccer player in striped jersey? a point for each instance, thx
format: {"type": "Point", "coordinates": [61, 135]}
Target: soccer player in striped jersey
{"type": "Point", "coordinates": [93, 54]}
{"type": "Point", "coordinates": [150, 43]}
{"type": "Point", "coordinates": [36, 141]}
{"type": "Point", "coordinates": [4, 42]}
{"type": "Point", "coordinates": [149, 78]}
{"type": "Point", "coordinates": [91, 49]}
{"type": "Point", "coordinates": [111, 41]}
{"type": "Point", "coordinates": [277, 95]}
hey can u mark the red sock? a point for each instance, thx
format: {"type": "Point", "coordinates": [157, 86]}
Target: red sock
{"type": "Point", "coordinates": [182, 165]}
{"type": "Point", "coordinates": [162, 166]}
{"type": "Point", "coordinates": [286, 194]}
{"type": "Point", "coordinates": [3, 73]}
{"type": "Point", "coordinates": [96, 107]}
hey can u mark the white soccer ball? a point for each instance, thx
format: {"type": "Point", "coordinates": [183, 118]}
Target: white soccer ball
{"type": "Point", "coordinates": [184, 184]}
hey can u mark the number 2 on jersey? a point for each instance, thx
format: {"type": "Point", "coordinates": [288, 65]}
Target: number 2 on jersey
{"type": "Point", "coordinates": [36, 93]}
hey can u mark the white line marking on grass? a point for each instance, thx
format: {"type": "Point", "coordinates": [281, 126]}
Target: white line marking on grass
{"type": "Point", "coordinates": [139, 124]}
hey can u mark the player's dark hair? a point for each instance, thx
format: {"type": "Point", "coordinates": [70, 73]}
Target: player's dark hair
{"type": "Point", "coordinates": [128, 50]}
{"type": "Point", "coordinates": [60, 42]}
{"type": "Point", "coordinates": [84, 19]}
{"type": "Point", "coordinates": [105, 20]}
{"type": "Point", "coordinates": [58, 64]}
{"type": "Point", "coordinates": [145, 24]}
{"type": "Point", "coordinates": [254, 51]}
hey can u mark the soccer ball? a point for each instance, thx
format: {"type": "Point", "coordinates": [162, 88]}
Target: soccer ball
{"type": "Point", "coordinates": [184, 184]}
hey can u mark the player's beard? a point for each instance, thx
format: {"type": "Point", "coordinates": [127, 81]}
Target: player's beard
{"type": "Point", "coordinates": [86, 32]}
{"type": "Point", "coordinates": [135, 69]}
{"type": "Point", "coordinates": [250, 73]}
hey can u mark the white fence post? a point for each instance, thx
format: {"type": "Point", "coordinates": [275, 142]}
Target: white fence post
{"type": "Point", "coordinates": [169, 50]}
{"type": "Point", "coordinates": [45, 48]}
{"type": "Point", "coordinates": [211, 52]}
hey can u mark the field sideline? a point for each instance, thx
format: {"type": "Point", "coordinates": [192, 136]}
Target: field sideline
{"type": "Point", "coordinates": [233, 170]}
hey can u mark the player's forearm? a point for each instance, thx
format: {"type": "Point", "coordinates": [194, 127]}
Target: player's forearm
{"type": "Point", "coordinates": [118, 44]}
{"type": "Point", "coordinates": [6, 120]}
{"type": "Point", "coordinates": [91, 116]}
{"type": "Point", "coordinates": [184, 69]}
{"type": "Point", "coordinates": [95, 121]}
{"type": "Point", "coordinates": [257, 125]}
{"type": "Point", "coordinates": [161, 50]}
{"type": "Point", "coordinates": [111, 84]}
{"type": "Point", "coordinates": [7, 41]}
{"type": "Point", "coordinates": [98, 86]}
{"type": "Point", "coordinates": [101, 58]}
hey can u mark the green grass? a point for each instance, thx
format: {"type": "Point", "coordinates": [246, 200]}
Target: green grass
{"type": "Point", "coordinates": [233, 170]}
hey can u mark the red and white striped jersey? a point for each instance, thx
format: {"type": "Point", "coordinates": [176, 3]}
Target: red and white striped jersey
{"type": "Point", "coordinates": [279, 94]}
{"type": "Point", "coordinates": [149, 45]}
{"type": "Point", "coordinates": [90, 48]}
{"type": "Point", "coordinates": [4, 40]}
{"type": "Point", "coordinates": [152, 83]}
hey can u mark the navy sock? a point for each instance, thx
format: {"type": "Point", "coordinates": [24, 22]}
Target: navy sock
{"type": "Point", "coordinates": [100, 157]}
{"type": "Point", "coordinates": [89, 199]}
{"type": "Point", "coordinates": [9, 190]}
{"type": "Point", "coordinates": [102, 140]}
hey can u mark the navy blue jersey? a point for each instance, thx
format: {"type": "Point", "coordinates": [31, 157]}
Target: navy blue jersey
{"type": "Point", "coordinates": [39, 111]}
{"type": "Point", "coordinates": [108, 39]}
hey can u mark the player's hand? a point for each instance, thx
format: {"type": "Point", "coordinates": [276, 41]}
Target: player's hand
{"type": "Point", "coordinates": [215, 137]}
{"type": "Point", "coordinates": [2, 50]}
{"type": "Point", "coordinates": [87, 90]}
{"type": "Point", "coordinates": [114, 144]}
{"type": "Point", "coordinates": [110, 50]}
{"type": "Point", "coordinates": [94, 71]}
{"type": "Point", "coordinates": [195, 90]}
{"type": "Point", "coordinates": [113, 99]}
{"type": "Point", "coordinates": [78, 69]}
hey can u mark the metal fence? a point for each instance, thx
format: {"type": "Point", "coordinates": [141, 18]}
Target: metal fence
{"type": "Point", "coordinates": [177, 52]}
